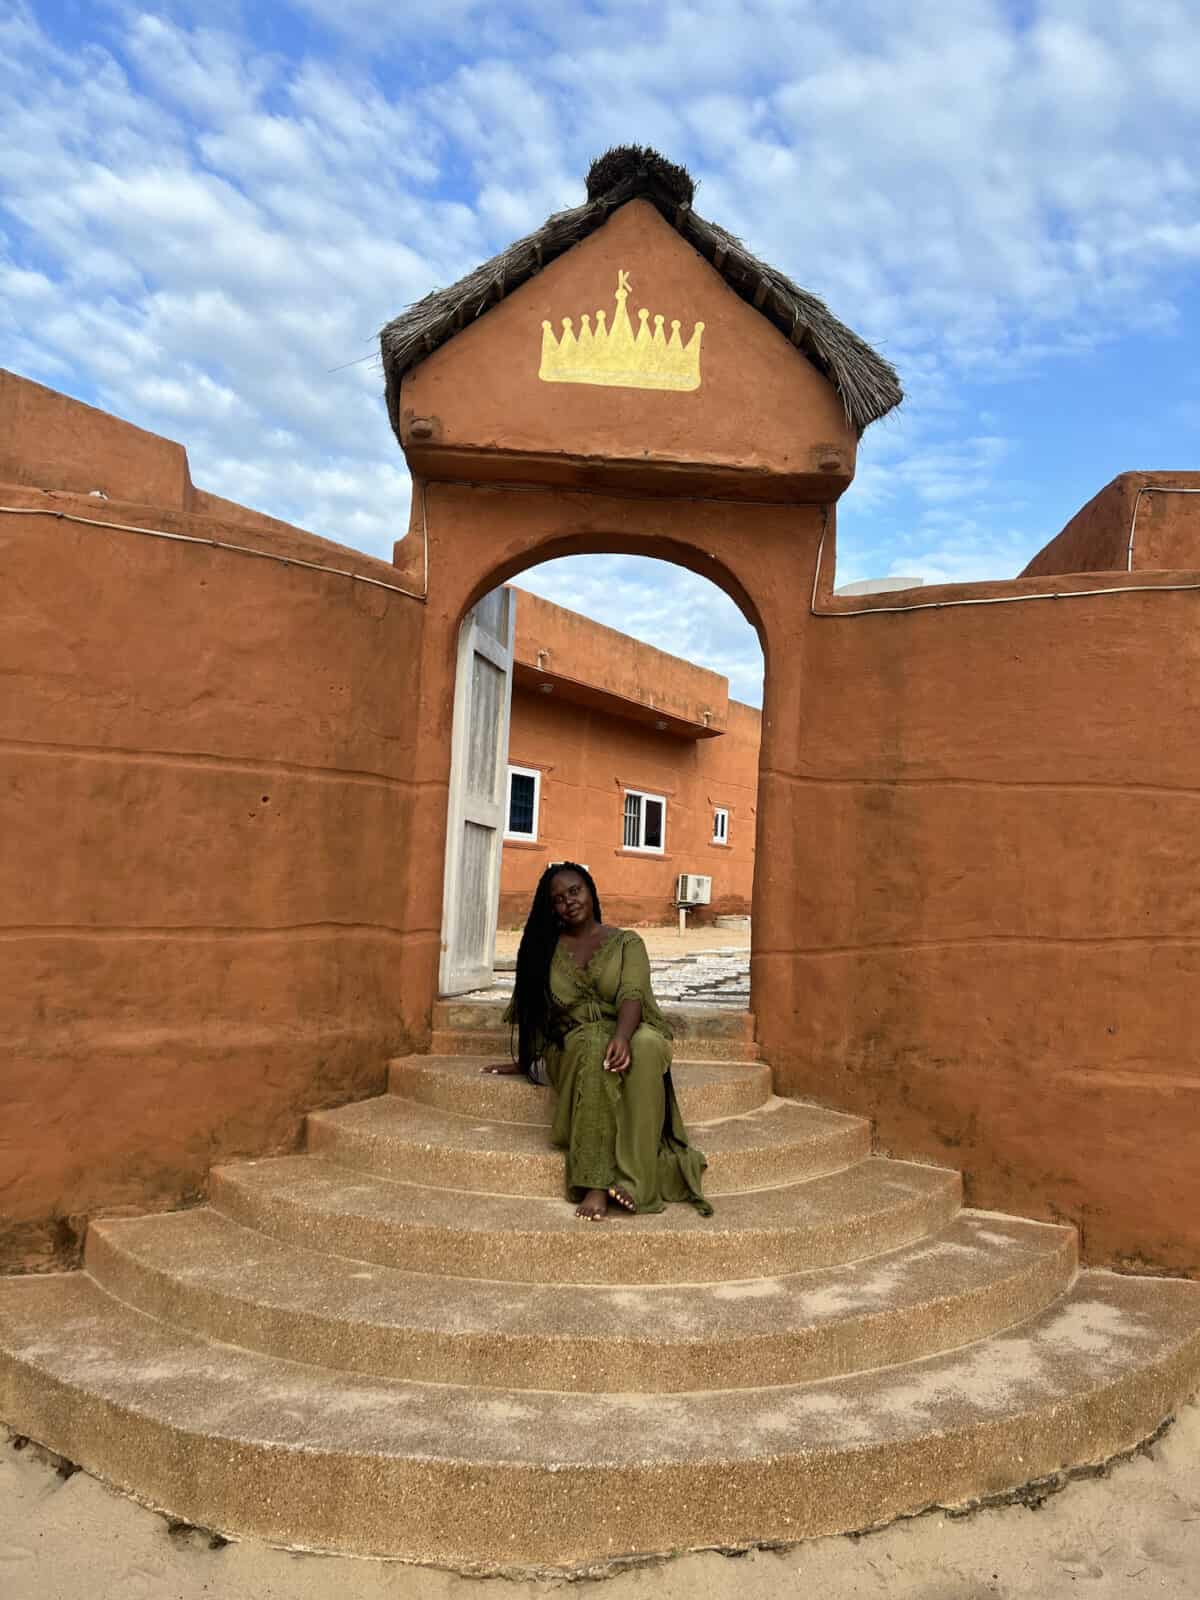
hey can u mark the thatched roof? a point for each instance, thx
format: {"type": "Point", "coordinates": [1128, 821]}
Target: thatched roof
{"type": "Point", "coordinates": [866, 382]}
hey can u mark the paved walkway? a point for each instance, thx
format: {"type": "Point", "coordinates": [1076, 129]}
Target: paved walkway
{"type": "Point", "coordinates": [715, 977]}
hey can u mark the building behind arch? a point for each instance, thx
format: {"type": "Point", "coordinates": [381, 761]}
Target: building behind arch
{"type": "Point", "coordinates": [631, 760]}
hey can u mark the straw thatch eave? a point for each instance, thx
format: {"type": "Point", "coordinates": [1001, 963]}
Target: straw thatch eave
{"type": "Point", "coordinates": [867, 384]}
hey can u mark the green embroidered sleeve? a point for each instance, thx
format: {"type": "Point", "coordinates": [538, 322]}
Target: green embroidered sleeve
{"type": "Point", "coordinates": [634, 982]}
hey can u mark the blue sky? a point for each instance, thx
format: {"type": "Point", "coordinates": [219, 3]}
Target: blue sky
{"type": "Point", "coordinates": [208, 208]}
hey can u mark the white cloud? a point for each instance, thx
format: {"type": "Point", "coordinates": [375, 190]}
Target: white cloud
{"type": "Point", "coordinates": [207, 232]}
{"type": "Point", "coordinates": [206, 72]}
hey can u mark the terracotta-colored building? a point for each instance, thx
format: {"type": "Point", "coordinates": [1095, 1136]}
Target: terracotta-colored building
{"type": "Point", "coordinates": [630, 760]}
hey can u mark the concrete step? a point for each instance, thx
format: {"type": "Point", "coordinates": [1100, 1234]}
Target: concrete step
{"type": "Point", "coordinates": [862, 1210]}
{"type": "Point", "coordinates": [200, 1271]}
{"type": "Point", "coordinates": [257, 1447]}
{"type": "Point", "coordinates": [783, 1141]}
{"type": "Point", "coordinates": [496, 1045]}
{"type": "Point", "coordinates": [706, 1089]}
{"type": "Point", "coordinates": [687, 1021]}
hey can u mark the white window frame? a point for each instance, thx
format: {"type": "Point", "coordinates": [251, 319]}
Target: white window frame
{"type": "Point", "coordinates": [720, 825]}
{"type": "Point", "coordinates": [523, 772]}
{"type": "Point", "coordinates": [644, 849]}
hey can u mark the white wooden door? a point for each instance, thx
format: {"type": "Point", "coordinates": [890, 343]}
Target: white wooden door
{"type": "Point", "coordinates": [478, 793]}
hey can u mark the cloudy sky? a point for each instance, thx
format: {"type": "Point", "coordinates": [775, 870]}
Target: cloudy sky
{"type": "Point", "coordinates": [209, 207]}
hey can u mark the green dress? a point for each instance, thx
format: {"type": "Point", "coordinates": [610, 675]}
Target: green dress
{"type": "Point", "coordinates": [621, 1128]}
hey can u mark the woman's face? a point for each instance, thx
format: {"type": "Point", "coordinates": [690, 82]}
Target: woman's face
{"type": "Point", "coordinates": [571, 899]}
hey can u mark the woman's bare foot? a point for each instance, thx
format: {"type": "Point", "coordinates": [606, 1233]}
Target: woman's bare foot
{"type": "Point", "coordinates": [503, 1069]}
{"type": "Point", "coordinates": [593, 1207]}
{"type": "Point", "coordinates": [621, 1198]}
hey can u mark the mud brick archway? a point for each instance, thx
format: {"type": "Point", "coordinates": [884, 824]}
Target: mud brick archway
{"type": "Point", "coordinates": [735, 481]}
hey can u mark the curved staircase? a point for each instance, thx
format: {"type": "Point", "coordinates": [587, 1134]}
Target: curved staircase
{"type": "Point", "coordinates": [403, 1343]}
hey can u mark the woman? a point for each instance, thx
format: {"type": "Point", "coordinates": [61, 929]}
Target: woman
{"type": "Point", "coordinates": [582, 1002]}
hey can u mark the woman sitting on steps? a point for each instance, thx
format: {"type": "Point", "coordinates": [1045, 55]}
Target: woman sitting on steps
{"type": "Point", "coordinates": [583, 1004]}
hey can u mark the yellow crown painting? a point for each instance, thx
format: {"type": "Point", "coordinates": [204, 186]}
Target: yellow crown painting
{"type": "Point", "coordinates": [618, 357]}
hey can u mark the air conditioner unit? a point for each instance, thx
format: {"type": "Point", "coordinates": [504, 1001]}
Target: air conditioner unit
{"type": "Point", "coordinates": [694, 889]}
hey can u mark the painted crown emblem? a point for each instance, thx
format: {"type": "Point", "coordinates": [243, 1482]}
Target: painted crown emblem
{"type": "Point", "coordinates": [618, 357]}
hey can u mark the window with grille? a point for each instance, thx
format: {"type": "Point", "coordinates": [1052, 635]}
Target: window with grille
{"type": "Point", "coordinates": [645, 822]}
{"type": "Point", "coordinates": [524, 794]}
{"type": "Point", "coordinates": [720, 825]}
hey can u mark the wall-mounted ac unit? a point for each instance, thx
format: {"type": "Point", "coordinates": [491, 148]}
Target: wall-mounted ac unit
{"type": "Point", "coordinates": [693, 889]}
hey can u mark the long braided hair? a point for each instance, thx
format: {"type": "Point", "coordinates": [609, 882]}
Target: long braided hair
{"type": "Point", "coordinates": [533, 1005]}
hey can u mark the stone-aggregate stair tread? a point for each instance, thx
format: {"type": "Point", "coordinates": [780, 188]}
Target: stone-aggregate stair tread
{"type": "Point", "coordinates": [876, 1205]}
{"type": "Point", "coordinates": [781, 1141]}
{"type": "Point", "coordinates": [251, 1445]}
{"type": "Point", "coordinates": [199, 1270]}
{"type": "Point", "coordinates": [705, 1089]}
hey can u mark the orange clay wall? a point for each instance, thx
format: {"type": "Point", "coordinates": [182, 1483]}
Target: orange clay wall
{"type": "Point", "coordinates": [587, 759]}
{"type": "Point", "coordinates": [992, 936]}
{"type": "Point", "coordinates": [206, 788]}
{"type": "Point", "coordinates": [1158, 513]}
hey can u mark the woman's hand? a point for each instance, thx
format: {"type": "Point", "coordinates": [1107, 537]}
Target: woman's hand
{"type": "Point", "coordinates": [504, 1069]}
{"type": "Point", "coordinates": [616, 1057]}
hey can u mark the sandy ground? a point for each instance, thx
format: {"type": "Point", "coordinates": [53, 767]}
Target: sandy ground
{"type": "Point", "coordinates": [1136, 1532]}
{"type": "Point", "coordinates": [659, 941]}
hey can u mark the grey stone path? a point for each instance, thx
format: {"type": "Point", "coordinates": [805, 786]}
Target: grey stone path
{"type": "Point", "coordinates": [717, 977]}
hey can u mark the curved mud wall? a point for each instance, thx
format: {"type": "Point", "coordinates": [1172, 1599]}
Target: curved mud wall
{"type": "Point", "coordinates": [1140, 522]}
{"type": "Point", "coordinates": [204, 814]}
{"type": "Point", "coordinates": [994, 939]}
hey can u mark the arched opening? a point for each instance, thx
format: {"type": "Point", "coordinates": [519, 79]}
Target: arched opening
{"type": "Point", "coordinates": [607, 709]}
{"type": "Point", "coordinates": [474, 537]}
